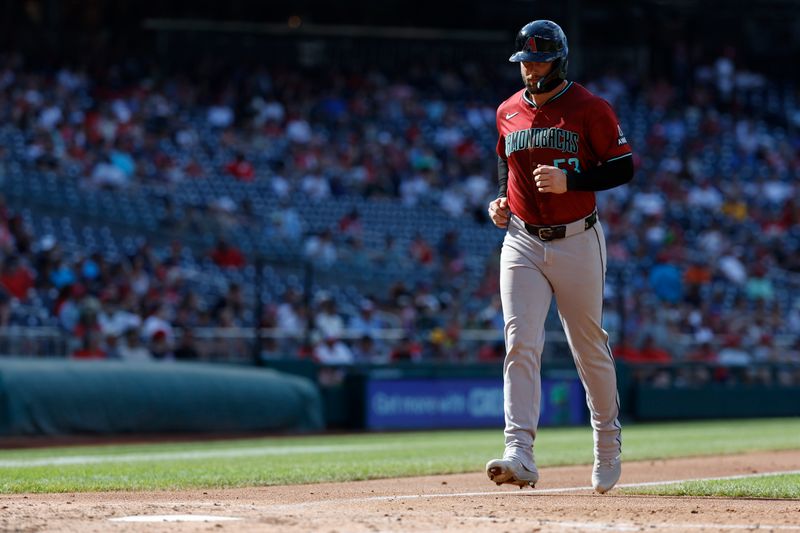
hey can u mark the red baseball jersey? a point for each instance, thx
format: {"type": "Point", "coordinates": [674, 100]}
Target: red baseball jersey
{"type": "Point", "coordinates": [573, 130]}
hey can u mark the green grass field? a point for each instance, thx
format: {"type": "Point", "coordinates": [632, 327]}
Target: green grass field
{"type": "Point", "coordinates": [287, 460]}
{"type": "Point", "coordinates": [785, 486]}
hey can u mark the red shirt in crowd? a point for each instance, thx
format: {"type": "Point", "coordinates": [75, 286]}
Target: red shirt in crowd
{"type": "Point", "coordinates": [89, 353]}
{"type": "Point", "coordinates": [18, 281]}
{"type": "Point", "coordinates": [228, 257]}
{"type": "Point", "coordinates": [241, 169]}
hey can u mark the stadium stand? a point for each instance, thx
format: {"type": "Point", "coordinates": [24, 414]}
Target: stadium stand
{"type": "Point", "coordinates": [182, 216]}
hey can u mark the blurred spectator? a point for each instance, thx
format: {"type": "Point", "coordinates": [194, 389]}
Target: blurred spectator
{"type": "Point", "coordinates": [315, 187]}
{"type": "Point", "coordinates": [240, 168]}
{"type": "Point", "coordinates": [421, 251]}
{"type": "Point", "coordinates": [327, 321]}
{"type": "Point", "coordinates": [332, 351]}
{"type": "Point", "coordinates": [732, 268]}
{"type": "Point", "coordinates": [139, 276]}
{"type": "Point", "coordinates": [492, 352]}
{"type": "Point", "coordinates": [649, 352]}
{"type": "Point", "coordinates": [703, 353]}
{"type": "Point", "coordinates": [161, 345]}
{"type": "Point", "coordinates": [732, 353]}
{"type": "Point", "coordinates": [107, 175]}
{"type": "Point", "coordinates": [226, 255]}
{"type": "Point", "coordinates": [87, 323]}
{"type": "Point", "coordinates": [158, 325]}
{"type": "Point", "coordinates": [666, 281]}
{"type": "Point", "coordinates": [231, 303]}
{"type": "Point", "coordinates": [350, 224]}
{"type": "Point", "coordinates": [66, 309]}
{"type": "Point", "coordinates": [416, 188]}
{"type": "Point", "coordinates": [62, 275]}
{"type": "Point", "coordinates": [451, 253]}
{"type": "Point", "coordinates": [220, 115]}
{"type": "Point", "coordinates": [365, 350]}
{"type": "Point", "coordinates": [321, 250]}
{"type": "Point", "coordinates": [17, 278]}
{"type": "Point", "coordinates": [130, 347]}
{"type": "Point", "coordinates": [491, 317]}
{"type": "Point", "coordinates": [185, 349]}
{"type": "Point", "coordinates": [391, 255]}
{"type": "Point", "coordinates": [624, 351]}
{"type": "Point", "coordinates": [286, 222]}
{"type": "Point", "coordinates": [696, 278]}
{"type": "Point", "coordinates": [759, 286]}
{"type": "Point", "coordinates": [704, 196]}
{"type": "Point", "coordinates": [90, 347]}
{"type": "Point", "coordinates": [407, 350]}
{"type": "Point", "coordinates": [366, 322]}
{"type": "Point", "coordinates": [290, 316]}
{"type": "Point", "coordinates": [116, 317]}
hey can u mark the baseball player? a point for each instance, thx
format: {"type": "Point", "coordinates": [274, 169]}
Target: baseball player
{"type": "Point", "coordinates": [558, 144]}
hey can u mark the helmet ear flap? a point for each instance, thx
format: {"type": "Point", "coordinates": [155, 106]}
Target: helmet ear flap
{"type": "Point", "coordinates": [557, 74]}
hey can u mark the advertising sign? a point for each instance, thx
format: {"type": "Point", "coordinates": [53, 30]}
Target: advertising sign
{"type": "Point", "coordinates": [463, 403]}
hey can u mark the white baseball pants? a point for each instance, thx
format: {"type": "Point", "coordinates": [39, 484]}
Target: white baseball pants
{"type": "Point", "coordinates": [531, 272]}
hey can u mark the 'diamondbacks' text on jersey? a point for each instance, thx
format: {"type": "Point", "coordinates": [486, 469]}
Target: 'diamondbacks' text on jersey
{"type": "Point", "coordinates": [573, 130]}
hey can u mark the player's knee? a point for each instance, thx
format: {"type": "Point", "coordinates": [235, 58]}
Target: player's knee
{"type": "Point", "coordinates": [519, 348]}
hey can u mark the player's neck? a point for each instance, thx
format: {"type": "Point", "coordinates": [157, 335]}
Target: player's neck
{"type": "Point", "coordinates": [541, 98]}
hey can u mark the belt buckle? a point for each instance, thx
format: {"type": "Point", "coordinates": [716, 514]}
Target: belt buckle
{"type": "Point", "coordinates": [545, 234]}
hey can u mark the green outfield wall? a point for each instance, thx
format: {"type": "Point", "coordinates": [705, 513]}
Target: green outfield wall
{"type": "Point", "coordinates": [56, 396]}
{"type": "Point", "coordinates": [418, 396]}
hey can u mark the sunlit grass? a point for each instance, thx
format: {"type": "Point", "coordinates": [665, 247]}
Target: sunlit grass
{"type": "Point", "coordinates": [289, 460]}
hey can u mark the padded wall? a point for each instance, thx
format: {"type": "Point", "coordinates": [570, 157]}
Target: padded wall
{"type": "Point", "coordinates": [55, 396]}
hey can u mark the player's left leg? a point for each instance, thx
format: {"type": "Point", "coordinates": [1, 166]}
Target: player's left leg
{"type": "Point", "coordinates": [577, 272]}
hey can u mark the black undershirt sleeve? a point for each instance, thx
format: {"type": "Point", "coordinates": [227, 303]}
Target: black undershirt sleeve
{"type": "Point", "coordinates": [502, 177]}
{"type": "Point", "coordinates": [602, 177]}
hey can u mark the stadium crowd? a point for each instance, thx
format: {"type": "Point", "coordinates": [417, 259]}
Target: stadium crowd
{"type": "Point", "coordinates": [703, 245]}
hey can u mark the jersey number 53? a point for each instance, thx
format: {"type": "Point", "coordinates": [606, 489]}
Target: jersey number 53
{"type": "Point", "coordinates": [573, 161]}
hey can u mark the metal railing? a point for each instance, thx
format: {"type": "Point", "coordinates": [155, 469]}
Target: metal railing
{"type": "Point", "coordinates": [236, 344]}
{"type": "Point", "coordinates": [35, 341]}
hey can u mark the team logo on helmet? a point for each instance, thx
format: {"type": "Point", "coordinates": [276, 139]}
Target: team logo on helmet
{"type": "Point", "coordinates": [532, 44]}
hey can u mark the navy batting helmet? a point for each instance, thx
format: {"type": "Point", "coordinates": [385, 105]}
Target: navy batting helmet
{"type": "Point", "coordinates": [543, 41]}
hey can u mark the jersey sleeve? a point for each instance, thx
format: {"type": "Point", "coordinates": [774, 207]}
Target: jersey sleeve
{"type": "Point", "coordinates": [501, 147]}
{"type": "Point", "coordinates": [606, 138]}
{"type": "Point", "coordinates": [501, 138]}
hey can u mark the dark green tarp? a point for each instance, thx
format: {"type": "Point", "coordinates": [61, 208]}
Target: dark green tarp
{"type": "Point", "coordinates": [54, 396]}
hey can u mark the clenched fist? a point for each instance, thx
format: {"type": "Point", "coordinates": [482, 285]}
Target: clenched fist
{"type": "Point", "coordinates": [550, 179]}
{"type": "Point", "coordinates": [498, 212]}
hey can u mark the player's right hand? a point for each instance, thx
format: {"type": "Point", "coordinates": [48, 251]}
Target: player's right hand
{"type": "Point", "coordinates": [499, 212]}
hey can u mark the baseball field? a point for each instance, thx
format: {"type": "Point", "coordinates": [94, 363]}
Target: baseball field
{"type": "Point", "coordinates": [698, 476]}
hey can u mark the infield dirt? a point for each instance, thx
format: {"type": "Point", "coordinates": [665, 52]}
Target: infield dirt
{"type": "Point", "coordinates": [458, 502]}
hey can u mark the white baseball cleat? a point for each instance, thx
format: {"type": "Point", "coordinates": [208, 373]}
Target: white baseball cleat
{"type": "Point", "coordinates": [605, 474]}
{"type": "Point", "coordinates": [511, 471]}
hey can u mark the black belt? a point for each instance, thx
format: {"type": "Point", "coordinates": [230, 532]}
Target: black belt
{"type": "Point", "coordinates": [549, 233]}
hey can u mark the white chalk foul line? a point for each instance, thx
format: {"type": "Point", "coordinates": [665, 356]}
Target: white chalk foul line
{"type": "Point", "coordinates": [629, 526]}
{"type": "Point", "coordinates": [594, 526]}
{"type": "Point", "coordinates": [533, 492]}
{"type": "Point", "coordinates": [721, 478]}
{"type": "Point", "coordinates": [188, 455]}
{"type": "Point", "coordinates": [175, 518]}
